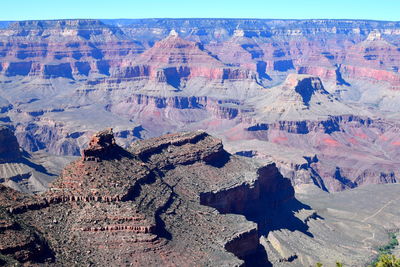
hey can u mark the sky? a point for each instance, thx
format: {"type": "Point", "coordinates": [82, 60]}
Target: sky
{"type": "Point", "coordinates": [282, 9]}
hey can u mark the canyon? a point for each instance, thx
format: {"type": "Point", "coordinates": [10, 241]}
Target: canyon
{"type": "Point", "coordinates": [241, 142]}
{"type": "Point", "coordinates": [321, 95]}
{"type": "Point", "coordinates": [182, 199]}
{"type": "Point", "coordinates": [151, 204]}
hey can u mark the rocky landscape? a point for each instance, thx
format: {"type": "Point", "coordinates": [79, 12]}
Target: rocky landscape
{"type": "Point", "coordinates": [318, 97]}
{"type": "Point", "coordinates": [181, 199]}
{"type": "Point", "coordinates": [175, 200]}
{"type": "Point", "coordinates": [23, 171]}
{"type": "Point", "coordinates": [300, 105]}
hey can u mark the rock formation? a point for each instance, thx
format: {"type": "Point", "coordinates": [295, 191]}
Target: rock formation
{"type": "Point", "coordinates": [171, 200]}
{"type": "Point", "coordinates": [310, 86]}
{"type": "Point", "coordinates": [101, 146]}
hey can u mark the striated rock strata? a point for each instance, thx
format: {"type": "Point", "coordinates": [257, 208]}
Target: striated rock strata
{"type": "Point", "coordinates": [172, 200]}
{"type": "Point", "coordinates": [63, 80]}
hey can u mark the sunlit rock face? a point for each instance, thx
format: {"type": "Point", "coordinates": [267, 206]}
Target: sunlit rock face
{"type": "Point", "coordinates": [177, 199]}
{"type": "Point", "coordinates": [289, 90]}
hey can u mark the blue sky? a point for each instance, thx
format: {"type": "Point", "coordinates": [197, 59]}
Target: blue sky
{"type": "Point", "coordinates": [286, 9]}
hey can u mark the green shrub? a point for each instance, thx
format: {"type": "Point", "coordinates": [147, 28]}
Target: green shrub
{"type": "Point", "coordinates": [387, 261]}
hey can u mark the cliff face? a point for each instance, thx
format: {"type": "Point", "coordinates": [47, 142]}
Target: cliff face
{"type": "Point", "coordinates": [22, 171]}
{"type": "Point", "coordinates": [300, 81]}
{"type": "Point", "coordinates": [151, 204]}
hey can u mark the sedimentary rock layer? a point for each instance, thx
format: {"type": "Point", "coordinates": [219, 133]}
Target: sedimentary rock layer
{"type": "Point", "coordinates": [172, 200]}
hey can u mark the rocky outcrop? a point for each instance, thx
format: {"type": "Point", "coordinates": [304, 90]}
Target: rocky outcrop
{"type": "Point", "coordinates": [198, 147]}
{"type": "Point", "coordinates": [154, 201]}
{"type": "Point", "coordinates": [101, 146]}
{"type": "Point", "coordinates": [306, 87]}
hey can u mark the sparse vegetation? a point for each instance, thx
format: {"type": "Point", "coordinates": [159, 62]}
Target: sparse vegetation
{"type": "Point", "coordinates": [338, 264]}
{"type": "Point", "coordinates": [387, 260]}
{"type": "Point", "coordinates": [393, 242]}
{"type": "Point", "coordinates": [384, 258]}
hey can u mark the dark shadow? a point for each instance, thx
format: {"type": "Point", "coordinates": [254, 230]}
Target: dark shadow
{"type": "Point", "coordinates": [172, 77]}
{"type": "Point", "coordinates": [328, 55]}
{"type": "Point", "coordinates": [339, 78]}
{"type": "Point", "coordinates": [160, 224]}
{"type": "Point", "coordinates": [60, 55]}
{"type": "Point", "coordinates": [187, 103]}
{"type": "Point", "coordinates": [273, 210]}
{"type": "Point", "coordinates": [279, 53]}
{"type": "Point", "coordinates": [343, 180]}
{"type": "Point", "coordinates": [36, 251]}
{"type": "Point", "coordinates": [371, 57]}
{"type": "Point", "coordinates": [62, 70]}
{"type": "Point", "coordinates": [254, 50]}
{"type": "Point", "coordinates": [22, 54]}
{"type": "Point", "coordinates": [218, 160]}
{"type": "Point", "coordinates": [137, 131]}
{"type": "Point", "coordinates": [6, 108]}
{"type": "Point", "coordinates": [315, 177]}
{"type": "Point", "coordinates": [77, 55]}
{"type": "Point", "coordinates": [18, 178]}
{"type": "Point", "coordinates": [317, 180]}
{"type": "Point", "coordinates": [5, 119]}
{"type": "Point", "coordinates": [18, 68]}
{"type": "Point", "coordinates": [107, 153]}
{"type": "Point", "coordinates": [262, 70]}
{"type": "Point", "coordinates": [136, 191]}
{"type": "Point", "coordinates": [45, 254]}
{"type": "Point", "coordinates": [258, 127]}
{"type": "Point", "coordinates": [75, 135]}
{"type": "Point", "coordinates": [305, 89]}
{"type": "Point", "coordinates": [283, 65]}
{"type": "Point", "coordinates": [36, 167]}
{"type": "Point", "coordinates": [96, 53]}
{"type": "Point", "coordinates": [259, 259]}
{"type": "Point", "coordinates": [281, 218]}
{"type": "Point", "coordinates": [246, 153]}
{"type": "Point", "coordinates": [103, 67]}
{"type": "Point", "coordinates": [331, 126]}
{"type": "Point", "coordinates": [83, 67]}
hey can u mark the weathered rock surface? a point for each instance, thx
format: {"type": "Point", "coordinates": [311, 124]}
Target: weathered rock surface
{"type": "Point", "coordinates": [320, 86]}
{"type": "Point", "coordinates": [172, 200]}
{"type": "Point", "coordinates": [19, 242]}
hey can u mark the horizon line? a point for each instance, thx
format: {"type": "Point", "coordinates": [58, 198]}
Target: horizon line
{"type": "Point", "coordinates": [205, 18]}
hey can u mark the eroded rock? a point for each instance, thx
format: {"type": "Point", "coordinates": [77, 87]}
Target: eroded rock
{"type": "Point", "coordinates": [153, 204]}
